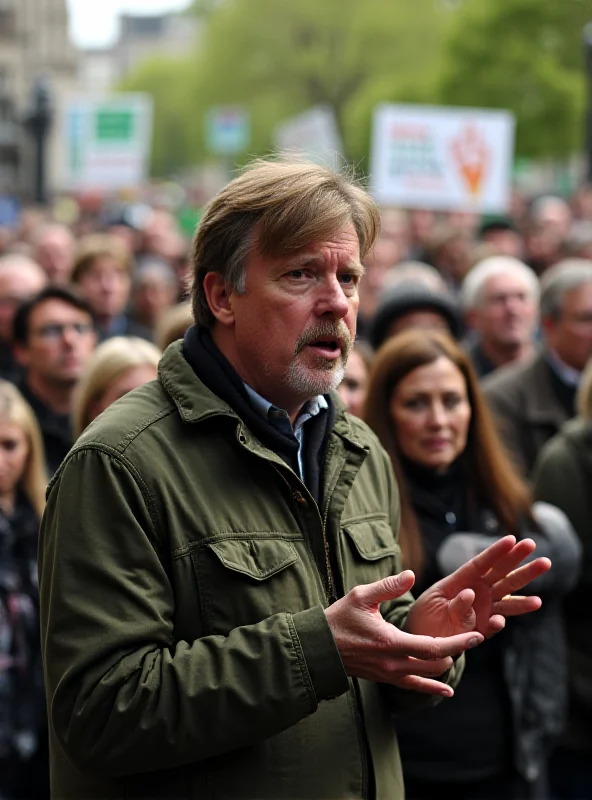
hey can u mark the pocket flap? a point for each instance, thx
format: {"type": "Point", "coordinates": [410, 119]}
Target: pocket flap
{"type": "Point", "coordinates": [257, 558]}
{"type": "Point", "coordinates": [373, 539]}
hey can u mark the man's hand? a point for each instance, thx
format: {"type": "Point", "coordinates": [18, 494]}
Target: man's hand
{"type": "Point", "coordinates": [374, 649]}
{"type": "Point", "coordinates": [478, 596]}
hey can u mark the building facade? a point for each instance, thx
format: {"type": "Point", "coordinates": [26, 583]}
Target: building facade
{"type": "Point", "coordinates": [34, 48]}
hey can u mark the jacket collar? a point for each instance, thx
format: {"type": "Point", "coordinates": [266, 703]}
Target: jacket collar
{"type": "Point", "coordinates": [540, 401]}
{"type": "Point", "coordinates": [196, 403]}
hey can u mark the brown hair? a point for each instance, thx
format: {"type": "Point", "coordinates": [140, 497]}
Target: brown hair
{"type": "Point", "coordinates": [493, 481]}
{"type": "Point", "coordinates": [279, 207]}
{"type": "Point", "coordinates": [98, 245]}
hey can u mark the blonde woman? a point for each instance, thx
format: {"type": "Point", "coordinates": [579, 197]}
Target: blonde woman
{"type": "Point", "coordinates": [23, 740]}
{"type": "Point", "coordinates": [172, 324]}
{"type": "Point", "coordinates": [116, 367]}
{"type": "Point", "coordinates": [563, 476]}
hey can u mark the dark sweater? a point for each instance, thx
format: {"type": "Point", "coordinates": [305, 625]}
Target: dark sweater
{"type": "Point", "coordinates": [466, 738]}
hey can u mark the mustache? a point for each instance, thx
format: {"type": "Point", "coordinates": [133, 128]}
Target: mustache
{"type": "Point", "coordinates": [325, 330]}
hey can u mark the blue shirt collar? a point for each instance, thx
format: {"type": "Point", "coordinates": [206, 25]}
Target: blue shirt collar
{"type": "Point", "coordinates": [273, 414]}
{"type": "Point", "coordinates": [568, 375]}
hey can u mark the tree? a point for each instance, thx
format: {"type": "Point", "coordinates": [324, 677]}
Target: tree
{"type": "Point", "coordinates": [280, 57]}
{"type": "Point", "coordinates": [170, 82]}
{"type": "Point", "coordinates": [526, 56]}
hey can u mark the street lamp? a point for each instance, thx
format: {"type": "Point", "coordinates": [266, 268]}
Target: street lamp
{"type": "Point", "coordinates": [588, 62]}
{"type": "Point", "coordinates": [38, 122]}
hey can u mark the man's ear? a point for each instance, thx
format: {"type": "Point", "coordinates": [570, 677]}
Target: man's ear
{"type": "Point", "coordinates": [547, 326]}
{"type": "Point", "coordinates": [219, 296]}
{"type": "Point", "coordinates": [471, 319]}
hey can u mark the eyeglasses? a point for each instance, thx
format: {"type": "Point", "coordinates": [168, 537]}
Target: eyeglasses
{"type": "Point", "coordinates": [56, 331]}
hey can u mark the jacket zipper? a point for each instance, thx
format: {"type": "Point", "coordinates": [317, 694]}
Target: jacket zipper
{"type": "Point", "coordinates": [327, 579]}
{"type": "Point", "coordinates": [328, 585]}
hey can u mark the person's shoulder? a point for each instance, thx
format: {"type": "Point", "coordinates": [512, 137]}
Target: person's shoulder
{"type": "Point", "coordinates": [361, 434]}
{"type": "Point", "coordinates": [127, 418]}
{"type": "Point", "coordinates": [354, 428]}
{"type": "Point", "coordinates": [574, 437]}
{"type": "Point", "coordinates": [514, 375]}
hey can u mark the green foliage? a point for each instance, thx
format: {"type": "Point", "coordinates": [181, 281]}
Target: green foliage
{"type": "Point", "coordinates": [277, 58]}
{"type": "Point", "coordinates": [169, 83]}
{"type": "Point", "coordinates": [280, 57]}
{"type": "Point", "coordinates": [527, 56]}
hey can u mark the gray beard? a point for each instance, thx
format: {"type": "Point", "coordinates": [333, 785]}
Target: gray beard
{"type": "Point", "coordinates": [309, 382]}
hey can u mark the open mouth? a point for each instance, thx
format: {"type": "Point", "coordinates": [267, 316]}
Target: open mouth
{"type": "Point", "coordinates": [328, 348]}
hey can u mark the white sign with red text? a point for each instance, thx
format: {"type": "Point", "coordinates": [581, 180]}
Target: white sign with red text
{"type": "Point", "coordinates": [440, 158]}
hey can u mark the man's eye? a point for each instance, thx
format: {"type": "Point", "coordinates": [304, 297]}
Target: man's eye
{"type": "Point", "coordinates": [349, 278]}
{"type": "Point", "coordinates": [298, 274]}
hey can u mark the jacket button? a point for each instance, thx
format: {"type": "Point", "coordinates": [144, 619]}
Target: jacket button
{"type": "Point", "coordinates": [299, 497]}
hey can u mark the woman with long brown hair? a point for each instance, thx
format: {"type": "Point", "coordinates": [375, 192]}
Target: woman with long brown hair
{"type": "Point", "coordinates": [459, 492]}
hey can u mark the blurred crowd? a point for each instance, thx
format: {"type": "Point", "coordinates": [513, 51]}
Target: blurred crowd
{"type": "Point", "coordinates": [86, 310]}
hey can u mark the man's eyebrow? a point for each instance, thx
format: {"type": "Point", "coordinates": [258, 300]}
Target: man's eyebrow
{"type": "Point", "coordinates": [355, 267]}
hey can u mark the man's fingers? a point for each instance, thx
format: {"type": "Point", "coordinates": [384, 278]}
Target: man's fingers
{"type": "Point", "coordinates": [461, 609]}
{"type": "Point", "coordinates": [520, 577]}
{"type": "Point", "coordinates": [509, 562]}
{"type": "Point", "coordinates": [372, 594]}
{"type": "Point", "coordinates": [495, 624]}
{"type": "Point", "coordinates": [418, 666]}
{"type": "Point", "coordinates": [416, 684]}
{"type": "Point", "coordinates": [513, 606]}
{"type": "Point", "coordinates": [487, 559]}
{"type": "Point", "coordinates": [432, 649]}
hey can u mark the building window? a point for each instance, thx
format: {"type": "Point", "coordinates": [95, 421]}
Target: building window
{"type": "Point", "coordinates": [7, 20]}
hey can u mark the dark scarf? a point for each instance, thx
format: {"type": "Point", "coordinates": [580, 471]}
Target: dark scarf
{"type": "Point", "coordinates": [22, 700]}
{"type": "Point", "coordinates": [565, 392]}
{"type": "Point", "coordinates": [438, 494]}
{"type": "Point", "coordinates": [217, 373]}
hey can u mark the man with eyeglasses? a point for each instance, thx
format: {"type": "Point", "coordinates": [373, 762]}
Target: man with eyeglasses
{"type": "Point", "coordinates": [532, 399]}
{"type": "Point", "coordinates": [54, 335]}
{"type": "Point", "coordinates": [20, 279]}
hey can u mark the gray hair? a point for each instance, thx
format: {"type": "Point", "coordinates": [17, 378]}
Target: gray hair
{"type": "Point", "coordinates": [579, 237]}
{"type": "Point", "coordinates": [415, 272]}
{"type": "Point", "coordinates": [564, 277]}
{"type": "Point", "coordinates": [154, 268]}
{"type": "Point", "coordinates": [280, 207]}
{"type": "Point", "coordinates": [472, 289]}
{"type": "Point", "coordinates": [549, 202]}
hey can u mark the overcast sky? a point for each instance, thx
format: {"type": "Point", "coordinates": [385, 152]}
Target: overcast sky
{"type": "Point", "coordinates": [94, 24]}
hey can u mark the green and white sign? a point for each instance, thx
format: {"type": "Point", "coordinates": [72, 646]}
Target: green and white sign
{"type": "Point", "coordinates": [227, 130]}
{"type": "Point", "coordinates": [107, 141]}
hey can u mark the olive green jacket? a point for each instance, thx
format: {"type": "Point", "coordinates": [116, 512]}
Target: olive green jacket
{"type": "Point", "coordinates": [186, 649]}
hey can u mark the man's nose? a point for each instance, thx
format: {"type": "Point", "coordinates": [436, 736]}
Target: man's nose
{"type": "Point", "coordinates": [70, 335]}
{"type": "Point", "coordinates": [332, 299]}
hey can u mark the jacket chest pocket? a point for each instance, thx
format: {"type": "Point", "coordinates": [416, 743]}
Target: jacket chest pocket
{"type": "Point", "coordinates": [244, 580]}
{"type": "Point", "coordinates": [371, 552]}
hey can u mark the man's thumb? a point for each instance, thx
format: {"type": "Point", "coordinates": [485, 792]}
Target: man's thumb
{"type": "Point", "coordinates": [388, 588]}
